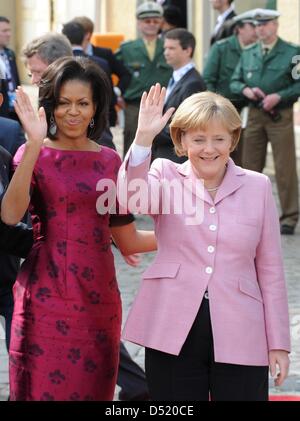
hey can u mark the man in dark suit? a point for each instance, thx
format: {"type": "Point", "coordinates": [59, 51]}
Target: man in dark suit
{"type": "Point", "coordinates": [11, 135]}
{"type": "Point", "coordinates": [179, 47]}
{"type": "Point", "coordinates": [8, 58]}
{"type": "Point", "coordinates": [224, 26]}
{"type": "Point", "coordinates": [117, 68]}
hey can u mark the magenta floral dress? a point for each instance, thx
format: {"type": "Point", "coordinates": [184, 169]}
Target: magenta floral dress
{"type": "Point", "coordinates": [67, 318]}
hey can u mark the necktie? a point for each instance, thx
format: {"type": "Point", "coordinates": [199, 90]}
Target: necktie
{"type": "Point", "coordinates": [171, 83]}
{"type": "Point", "coordinates": [266, 51]}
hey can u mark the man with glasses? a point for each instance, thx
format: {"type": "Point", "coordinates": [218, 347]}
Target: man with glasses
{"type": "Point", "coordinates": [144, 57]}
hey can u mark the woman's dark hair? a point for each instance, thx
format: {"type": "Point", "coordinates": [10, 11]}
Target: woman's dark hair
{"type": "Point", "coordinates": [81, 69]}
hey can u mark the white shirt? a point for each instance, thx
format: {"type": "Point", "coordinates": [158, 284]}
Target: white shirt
{"type": "Point", "coordinates": [178, 74]}
{"type": "Point", "coordinates": [221, 18]}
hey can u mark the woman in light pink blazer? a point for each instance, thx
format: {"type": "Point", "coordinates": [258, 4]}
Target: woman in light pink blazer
{"type": "Point", "coordinates": [212, 308]}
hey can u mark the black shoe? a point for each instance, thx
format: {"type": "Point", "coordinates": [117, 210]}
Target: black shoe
{"type": "Point", "coordinates": [287, 230]}
{"type": "Point", "coordinates": [140, 397]}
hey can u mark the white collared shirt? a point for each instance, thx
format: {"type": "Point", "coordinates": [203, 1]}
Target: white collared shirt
{"type": "Point", "coordinates": [221, 18]}
{"type": "Point", "coordinates": [178, 74]}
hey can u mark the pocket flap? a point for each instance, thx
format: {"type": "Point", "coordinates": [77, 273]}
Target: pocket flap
{"type": "Point", "coordinates": [250, 288]}
{"type": "Point", "coordinates": [162, 270]}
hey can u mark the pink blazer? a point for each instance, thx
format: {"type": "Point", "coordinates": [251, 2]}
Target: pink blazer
{"type": "Point", "coordinates": [235, 254]}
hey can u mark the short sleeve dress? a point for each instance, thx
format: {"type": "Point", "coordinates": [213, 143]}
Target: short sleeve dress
{"type": "Point", "coordinates": [67, 317]}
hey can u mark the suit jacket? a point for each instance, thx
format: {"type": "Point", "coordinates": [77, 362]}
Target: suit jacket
{"type": "Point", "coordinates": [11, 135]}
{"type": "Point", "coordinates": [4, 110]}
{"type": "Point", "coordinates": [116, 66]}
{"type": "Point", "coordinates": [226, 29]}
{"type": "Point", "coordinates": [234, 253]}
{"type": "Point", "coordinates": [190, 84]}
{"type": "Point", "coordinates": [9, 264]}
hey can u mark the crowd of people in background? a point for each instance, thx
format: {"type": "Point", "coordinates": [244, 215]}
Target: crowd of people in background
{"type": "Point", "coordinates": [242, 101]}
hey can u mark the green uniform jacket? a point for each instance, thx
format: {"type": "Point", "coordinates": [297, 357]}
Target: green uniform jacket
{"type": "Point", "coordinates": [145, 72]}
{"type": "Point", "coordinates": [222, 60]}
{"type": "Point", "coordinates": [272, 74]}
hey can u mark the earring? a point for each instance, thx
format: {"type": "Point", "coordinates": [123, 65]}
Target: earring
{"type": "Point", "coordinates": [53, 126]}
{"type": "Point", "coordinates": [92, 123]}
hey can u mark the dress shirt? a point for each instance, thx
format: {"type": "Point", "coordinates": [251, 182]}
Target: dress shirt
{"type": "Point", "coordinates": [221, 19]}
{"type": "Point", "coordinates": [177, 75]}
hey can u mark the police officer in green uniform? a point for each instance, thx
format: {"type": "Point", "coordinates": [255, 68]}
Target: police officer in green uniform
{"type": "Point", "coordinates": [222, 60]}
{"type": "Point", "coordinates": [144, 57]}
{"type": "Point", "coordinates": [264, 75]}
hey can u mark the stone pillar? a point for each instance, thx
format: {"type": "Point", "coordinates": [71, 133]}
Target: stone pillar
{"type": "Point", "coordinates": [32, 19]}
{"type": "Point", "coordinates": [289, 27]}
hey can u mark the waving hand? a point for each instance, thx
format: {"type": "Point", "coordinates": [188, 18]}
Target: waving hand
{"type": "Point", "coordinates": [151, 118]}
{"type": "Point", "coordinates": [34, 125]}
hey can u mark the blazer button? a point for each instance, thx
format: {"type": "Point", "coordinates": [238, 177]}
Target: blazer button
{"type": "Point", "coordinates": [211, 249]}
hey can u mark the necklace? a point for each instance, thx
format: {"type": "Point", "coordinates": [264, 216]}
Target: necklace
{"type": "Point", "coordinates": [213, 189]}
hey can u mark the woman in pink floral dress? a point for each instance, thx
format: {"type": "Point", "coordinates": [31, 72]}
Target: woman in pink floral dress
{"type": "Point", "coordinates": [67, 318]}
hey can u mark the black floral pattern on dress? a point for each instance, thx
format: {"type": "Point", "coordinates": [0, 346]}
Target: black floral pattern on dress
{"type": "Point", "coordinates": [98, 235]}
{"type": "Point", "coordinates": [75, 397]}
{"type": "Point", "coordinates": [62, 327]}
{"type": "Point", "coordinates": [71, 208]}
{"type": "Point", "coordinates": [73, 268]}
{"type": "Point", "coordinates": [33, 278]}
{"type": "Point", "coordinates": [98, 167]}
{"type": "Point", "coordinates": [56, 377]}
{"type": "Point", "coordinates": [47, 397]}
{"type": "Point", "coordinates": [51, 213]}
{"type": "Point", "coordinates": [59, 164]}
{"type": "Point", "coordinates": [53, 269]}
{"type": "Point", "coordinates": [74, 355]}
{"type": "Point", "coordinates": [94, 297]}
{"type": "Point", "coordinates": [101, 336]}
{"type": "Point", "coordinates": [43, 294]}
{"type": "Point", "coordinates": [84, 188]}
{"type": "Point", "coordinates": [62, 248]}
{"type": "Point", "coordinates": [81, 309]}
{"type": "Point", "coordinates": [90, 366]}
{"type": "Point", "coordinates": [88, 398]}
{"type": "Point", "coordinates": [35, 350]}
{"type": "Point", "coordinates": [88, 274]}
{"type": "Point", "coordinates": [113, 284]}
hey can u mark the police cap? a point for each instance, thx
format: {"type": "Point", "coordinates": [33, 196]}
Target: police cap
{"type": "Point", "coordinates": [265, 15]}
{"type": "Point", "coordinates": [149, 9]}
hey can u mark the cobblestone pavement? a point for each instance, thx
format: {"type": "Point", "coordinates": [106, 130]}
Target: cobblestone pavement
{"type": "Point", "coordinates": [129, 279]}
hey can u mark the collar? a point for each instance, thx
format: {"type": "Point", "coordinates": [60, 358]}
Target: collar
{"type": "Point", "coordinates": [223, 16]}
{"type": "Point", "coordinates": [269, 46]}
{"type": "Point", "coordinates": [179, 73]}
{"type": "Point", "coordinates": [89, 50]}
{"type": "Point", "coordinates": [77, 48]}
{"type": "Point", "coordinates": [231, 182]}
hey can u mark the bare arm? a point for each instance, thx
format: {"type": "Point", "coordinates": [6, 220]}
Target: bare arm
{"type": "Point", "coordinates": [16, 199]}
{"type": "Point", "coordinates": [130, 240]}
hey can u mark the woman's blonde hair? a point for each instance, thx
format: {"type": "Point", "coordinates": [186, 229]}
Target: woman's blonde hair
{"type": "Point", "coordinates": [198, 110]}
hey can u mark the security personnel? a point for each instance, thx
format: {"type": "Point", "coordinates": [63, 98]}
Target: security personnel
{"type": "Point", "coordinates": [222, 60]}
{"type": "Point", "coordinates": [264, 75]}
{"type": "Point", "coordinates": [144, 57]}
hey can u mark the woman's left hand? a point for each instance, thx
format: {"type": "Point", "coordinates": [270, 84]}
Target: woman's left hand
{"type": "Point", "coordinates": [280, 358]}
{"type": "Point", "coordinates": [132, 260]}
{"type": "Point", "coordinates": [151, 117]}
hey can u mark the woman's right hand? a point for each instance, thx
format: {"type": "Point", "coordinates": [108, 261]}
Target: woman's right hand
{"type": "Point", "coordinates": [35, 125]}
{"type": "Point", "coordinates": [151, 118]}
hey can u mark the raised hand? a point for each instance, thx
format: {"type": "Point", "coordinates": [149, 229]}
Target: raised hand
{"type": "Point", "coordinates": [35, 125]}
{"type": "Point", "coordinates": [151, 118]}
